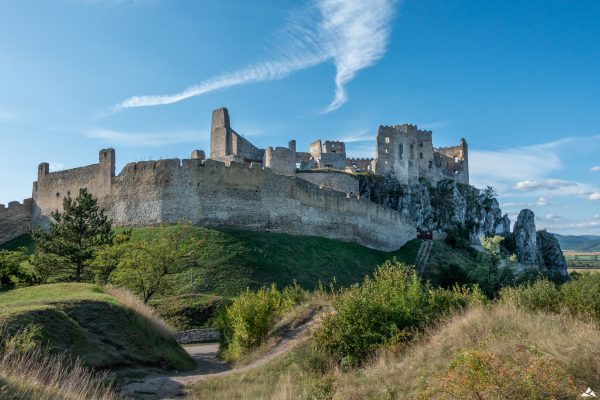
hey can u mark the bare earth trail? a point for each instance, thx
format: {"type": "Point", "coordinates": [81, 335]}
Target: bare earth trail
{"type": "Point", "coordinates": [156, 386]}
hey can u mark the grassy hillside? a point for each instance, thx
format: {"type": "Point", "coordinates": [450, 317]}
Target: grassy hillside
{"type": "Point", "coordinates": [489, 352]}
{"type": "Point", "coordinates": [232, 260]}
{"type": "Point", "coordinates": [82, 320]}
{"type": "Point", "coordinates": [583, 243]}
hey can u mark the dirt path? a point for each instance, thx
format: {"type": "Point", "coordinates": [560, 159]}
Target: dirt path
{"type": "Point", "coordinates": [156, 386]}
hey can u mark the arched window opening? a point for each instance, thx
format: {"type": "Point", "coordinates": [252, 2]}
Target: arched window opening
{"type": "Point", "coordinates": [421, 156]}
{"type": "Point", "coordinates": [401, 152]}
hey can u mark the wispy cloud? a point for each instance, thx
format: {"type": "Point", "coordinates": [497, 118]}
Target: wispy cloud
{"type": "Point", "coordinates": [351, 34]}
{"type": "Point", "coordinates": [139, 139]}
{"type": "Point", "coordinates": [595, 168]}
{"type": "Point", "coordinates": [7, 116]}
{"type": "Point", "coordinates": [501, 168]}
{"type": "Point", "coordinates": [546, 184]}
{"type": "Point", "coordinates": [56, 166]}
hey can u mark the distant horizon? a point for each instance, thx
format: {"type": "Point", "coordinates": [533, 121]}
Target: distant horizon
{"type": "Point", "coordinates": [517, 80]}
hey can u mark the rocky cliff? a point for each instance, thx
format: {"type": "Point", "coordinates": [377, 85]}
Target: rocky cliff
{"type": "Point", "coordinates": [441, 207]}
{"type": "Point", "coordinates": [538, 248]}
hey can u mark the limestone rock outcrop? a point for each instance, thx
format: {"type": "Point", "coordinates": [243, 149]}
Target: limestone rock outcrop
{"type": "Point", "coordinates": [552, 254]}
{"type": "Point", "coordinates": [538, 248]}
{"type": "Point", "coordinates": [441, 207]}
{"type": "Point", "coordinates": [525, 237]}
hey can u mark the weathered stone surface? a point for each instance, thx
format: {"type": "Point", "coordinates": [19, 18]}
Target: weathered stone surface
{"type": "Point", "coordinates": [197, 336]}
{"type": "Point", "coordinates": [552, 254]}
{"type": "Point", "coordinates": [440, 207]}
{"type": "Point", "coordinates": [15, 220]}
{"type": "Point", "coordinates": [209, 193]}
{"type": "Point", "coordinates": [334, 180]}
{"type": "Point", "coordinates": [525, 238]}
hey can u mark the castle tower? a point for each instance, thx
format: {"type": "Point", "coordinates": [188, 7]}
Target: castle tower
{"type": "Point", "coordinates": [465, 158]}
{"type": "Point", "coordinates": [220, 135]}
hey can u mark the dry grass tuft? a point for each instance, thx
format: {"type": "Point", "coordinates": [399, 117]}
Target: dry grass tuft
{"type": "Point", "coordinates": [37, 376]}
{"type": "Point", "coordinates": [132, 302]}
{"type": "Point", "coordinates": [500, 330]}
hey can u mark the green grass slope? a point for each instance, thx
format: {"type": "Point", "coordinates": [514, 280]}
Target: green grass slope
{"type": "Point", "coordinates": [82, 321]}
{"type": "Point", "coordinates": [232, 260]}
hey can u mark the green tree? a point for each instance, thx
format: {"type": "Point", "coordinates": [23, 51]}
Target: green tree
{"type": "Point", "coordinates": [64, 251]}
{"type": "Point", "coordinates": [11, 271]}
{"type": "Point", "coordinates": [144, 267]}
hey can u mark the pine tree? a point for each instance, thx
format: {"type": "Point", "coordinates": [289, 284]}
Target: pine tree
{"type": "Point", "coordinates": [64, 251]}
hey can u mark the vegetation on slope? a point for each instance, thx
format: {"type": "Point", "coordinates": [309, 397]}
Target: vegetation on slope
{"type": "Point", "coordinates": [229, 261]}
{"type": "Point", "coordinates": [82, 321]}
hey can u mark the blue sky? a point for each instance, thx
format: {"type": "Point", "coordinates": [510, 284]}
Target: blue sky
{"type": "Point", "coordinates": [518, 79]}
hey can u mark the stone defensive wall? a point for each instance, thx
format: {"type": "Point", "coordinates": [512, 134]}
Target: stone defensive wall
{"type": "Point", "coordinates": [15, 219]}
{"type": "Point", "coordinates": [335, 180]}
{"type": "Point", "coordinates": [209, 193]}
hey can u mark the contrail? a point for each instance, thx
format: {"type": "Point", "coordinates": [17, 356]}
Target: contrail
{"type": "Point", "coordinates": [351, 34]}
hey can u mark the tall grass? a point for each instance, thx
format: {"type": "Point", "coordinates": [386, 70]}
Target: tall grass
{"type": "Point", "coordinates": [37, 376]}
{"type": "Point", "coordinates": [133, 303]}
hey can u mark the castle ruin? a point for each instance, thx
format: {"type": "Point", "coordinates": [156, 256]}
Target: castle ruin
{"type": "Point", "coordinates": [402, 150]}
{"type": "Point", "coordinates": [242, 186]}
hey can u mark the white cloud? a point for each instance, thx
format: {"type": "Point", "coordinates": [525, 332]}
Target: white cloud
{"type": "Point", "coordinates": [595, 168]}
{"type": "Point", "coordinates": [56, 166]}
{"type": "Point", "coordinates": [499, 168]}
{"type": "Point", "coordinates": [351, 34]}
{"type": "Point", "coordinates": [597, 216]}
{"type": "Point", "coordinates": [7, 116]}
{"type": "Point", "coordinates": [594, 196]}
{"type": "Point", "coordinates": [143, 138]}
{"type": "Point", "coordinates": [546, 184]}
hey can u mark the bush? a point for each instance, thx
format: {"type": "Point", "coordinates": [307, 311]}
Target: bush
{"type": "Point", "coordinates": [581, 296]}
{"type": "Point", "coordinates": [578, 297]}
{"type": "Point", "coordinates": [387, 309]}
{"type": "Point", "coordinates": [246, 323]}
{"type": "Point", "coordinates": [478, 374]}
{"type": "Point", "coordinates": [542, 295]}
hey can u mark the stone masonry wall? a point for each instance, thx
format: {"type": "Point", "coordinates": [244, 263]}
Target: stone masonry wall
{"type": "Point", "coordinates": [340, 181]}
{"type": "Point", "coordinates": [208, 193]}
{"type": "Point", "coordinates": [197, 336]}
{"type": "Point", "coordinates": [15, 219]}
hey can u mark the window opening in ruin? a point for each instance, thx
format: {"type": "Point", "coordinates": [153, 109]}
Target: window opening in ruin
{"type": "Point", "coordinates": [412, 150]}
{"type": "Point", "coordinates": [430, 164]}
{"type": "Point", "coordinates": [421, 156]}
{"type": "Point", "coordinates": [401, 151]}
{"type": "Point", "coordinates": [387, 139]}
{"type": "Point", "coordinates": [455, 159]}
{"type": "Point", "coordinates": [420, 144]}
{"type": "Point", "coordinates": [455, 172]}
{"type": "Point", "coordinates": [386, 151]}
{"type": "Point", "coordinates": [298, 165]}
{"type": "Point", "coordinates": [57, 194]}
{"type": "Point", "coordinates": [385, 162]}
{"type": "Point", "coordinates": [368, 167]}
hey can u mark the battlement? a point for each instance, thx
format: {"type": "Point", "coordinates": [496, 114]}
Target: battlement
{"type": "Point", "coordinates": [16, 207]}
{"type": "Point", "coordinates": [15, 219]}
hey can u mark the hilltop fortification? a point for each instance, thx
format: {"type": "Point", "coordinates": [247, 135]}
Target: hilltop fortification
{"type": "Point", "coordinates": [316, 192]}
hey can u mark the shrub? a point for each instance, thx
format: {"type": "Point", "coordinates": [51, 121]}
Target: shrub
{"type": "Point", "coordinates": [386, 309]}
{"type": "Point", "coordinates": [542, 295]}
{"type": "Point", "coordinates": [581, 296]}
{"type": "Point", "coordinates": [578, 297]}
{"type": "Point", "coordinates": [479, 374]}
{"type": "Point", "coordinates": [246, 323]}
